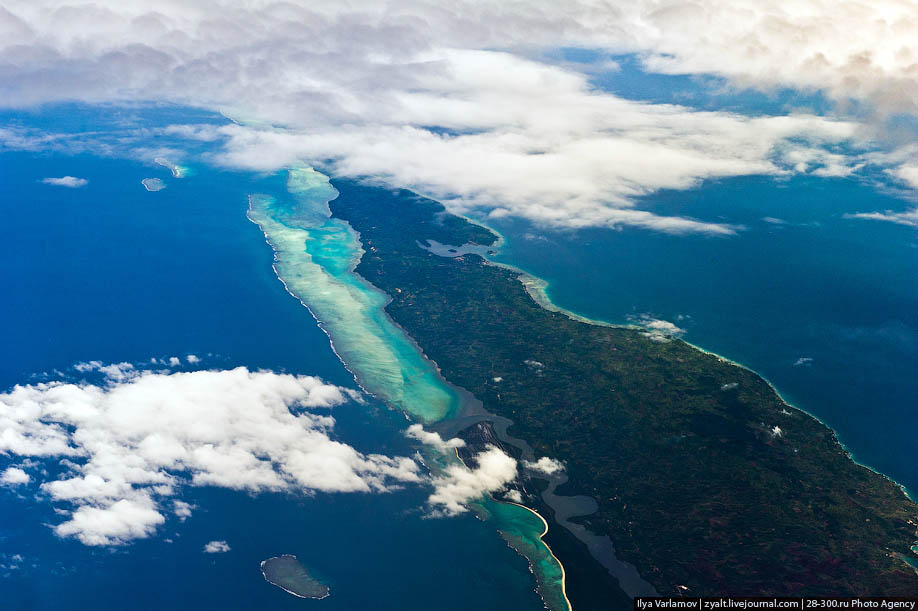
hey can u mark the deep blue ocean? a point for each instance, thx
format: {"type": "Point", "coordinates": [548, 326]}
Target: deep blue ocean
{"type": "Point", "coordinates": [115, 273]}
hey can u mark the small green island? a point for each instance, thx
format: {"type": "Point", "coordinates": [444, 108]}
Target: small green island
{"type": "Point", "coordinates": [705, 480]}
{"type": "Point", "coordinates": [288, 574]}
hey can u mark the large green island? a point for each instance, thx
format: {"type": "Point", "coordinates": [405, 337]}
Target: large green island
{"type": "Point", "coordinates": [706, 481]}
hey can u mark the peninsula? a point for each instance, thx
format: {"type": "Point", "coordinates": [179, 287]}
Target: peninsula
{"type": "Point", "coordinates": [705, 479]}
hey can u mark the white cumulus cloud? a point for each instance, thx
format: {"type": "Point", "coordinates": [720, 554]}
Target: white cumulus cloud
{"type": "Point", "coordinates": [14, 476]}
{"type": "Point", "coordinates": [216, 547]}
{"type": "Point", "coordinates": [182, 510]}
{"type": "Point", "coordinates": [460, 484]}
{"type": "Point", "coordinates": [545, 465]}
{"type": "Point", "coordinates": [416, 431]}
{"type": "Point", "coordinates": [658, 330]}
{"type": "Point", "coordinates": [114, 522]}
{"type": "Point", "coordinates": [135, 440]}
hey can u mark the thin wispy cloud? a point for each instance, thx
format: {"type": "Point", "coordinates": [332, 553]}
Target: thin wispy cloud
{"type": "Point", "coordinates": [907, 217]}
{"type": "Point", "coordinates": [70, 182]}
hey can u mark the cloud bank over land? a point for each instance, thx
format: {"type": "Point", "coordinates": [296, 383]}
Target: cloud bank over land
{"type": "Point", "coordinates": [848, 50]}
{"type": "Point", "coordinates": [129, 446]}
{"type": "Point", "coordinates": [545, 465]}
{"type": "Point", "coordinates": [456, 102]}
{"type": "Point", "coordinates": [864, 51]}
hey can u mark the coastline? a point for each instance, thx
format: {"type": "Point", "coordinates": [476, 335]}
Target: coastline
{"type": "Point", "coordinates": [153, 184]}
{"type": "Point", "coordinates": [463, 399]}
{"type": "Point", "coordinates": [625, 574]}
{"type": "Point", "coordinates": [532, 570]}
{"type": "Point", "coordinates": [537, 288]}
{"type": "Point", "coordinates": [363, 286]}
{"type": "Point", "coordinates": [427, 322]}
{"type": "Point", "coordinates": [548, 547]}
{"type": "Point", "coordinates": [263, 574]}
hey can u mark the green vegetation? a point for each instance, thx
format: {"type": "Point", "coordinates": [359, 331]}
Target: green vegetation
{"type": "Point", "coordinates": [704, 477]}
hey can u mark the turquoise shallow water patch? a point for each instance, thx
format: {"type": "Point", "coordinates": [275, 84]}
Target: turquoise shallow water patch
{"type": "Point", "coordinates": [315, 257]}
{"type": "Point", "coordinates": [523, 529]}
